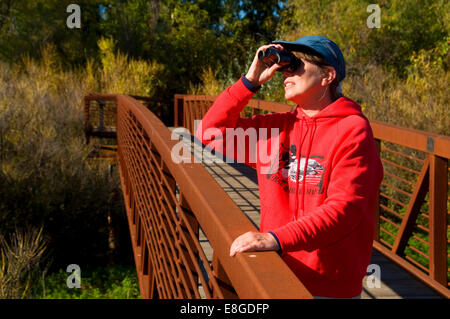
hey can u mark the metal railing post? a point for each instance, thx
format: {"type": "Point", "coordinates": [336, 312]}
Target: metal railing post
{"type": "Point", "coordinates": [438, 218]}
{"type": "Point", "coordinates": [102, 105]}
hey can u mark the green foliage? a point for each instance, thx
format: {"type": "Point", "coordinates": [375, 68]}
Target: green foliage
{"type": "Point", "coordinates": [28, 26]}
{"type": "Point", "coordinates": [210, 85]}
{"type": "Point", "coordinates": [184, 37]}
{"type": "Point", "coordinates": [129, 23]}
{"type": "Point", "coordinates": [183, 43]}
{"type": "Point", "coordinates": [406, 27]}
{"type": "Point", "coordinates": [115, 282]}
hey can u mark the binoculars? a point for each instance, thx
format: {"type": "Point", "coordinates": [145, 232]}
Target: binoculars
{"type": "Point", "coordinates": [286, 59]}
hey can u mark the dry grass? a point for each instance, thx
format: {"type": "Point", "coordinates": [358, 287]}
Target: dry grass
{"type": "Point", "coordinates": [419, 101]}
{"type": "Point", "coordinates": [20, 262]}
{"type": "Point", "coordinates": [46, 175]}
{"type": "Point", "coordinates": [119, 74]}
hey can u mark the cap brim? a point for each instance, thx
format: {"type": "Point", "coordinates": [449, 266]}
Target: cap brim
{"type": "Point", "coordinates": [293, 46]}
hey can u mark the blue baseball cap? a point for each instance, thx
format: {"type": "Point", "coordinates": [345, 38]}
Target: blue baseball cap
{"type": "Point", "coordinates": [321, 46]}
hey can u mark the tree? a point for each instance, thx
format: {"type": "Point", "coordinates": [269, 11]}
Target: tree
{"type": "Point", "coordinates": [407, 26]}
{"type": "Point", "coordinates": [28, 26]}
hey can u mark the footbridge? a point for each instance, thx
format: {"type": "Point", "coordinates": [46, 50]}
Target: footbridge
{"type": "Point", "coordinates": [183, 217]}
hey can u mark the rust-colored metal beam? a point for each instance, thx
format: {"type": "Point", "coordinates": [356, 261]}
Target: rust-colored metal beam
{"type": "Point", "coordinates": [415, 139]}
{"type": "Point", "coordinates": [377, 207]}
{"type": "Point", "coordinates": [444, 291]}
{"type": "Point", "coordinates": [412, 210]}
{"type": "Point", "coordinates": [438, 218]}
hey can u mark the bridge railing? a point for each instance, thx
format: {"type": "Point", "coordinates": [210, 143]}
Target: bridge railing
{"type": "Point", "coordinates": [412, 219]}
{"type": "Point", "coordinates": [169, 205]}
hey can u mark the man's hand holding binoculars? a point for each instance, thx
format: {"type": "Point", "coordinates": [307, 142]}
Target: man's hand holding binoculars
{"type": "Point", "coordinates": [259, 73]}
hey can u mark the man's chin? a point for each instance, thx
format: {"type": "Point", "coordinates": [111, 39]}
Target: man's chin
{"type": "Point", "coordinates": [290, 97]}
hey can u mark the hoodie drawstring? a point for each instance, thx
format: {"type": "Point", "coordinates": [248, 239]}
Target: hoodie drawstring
{"type": "Point", "coordinates": [305, 166]}
{"type": "Point", "coordinates": [308, 153]}
{"type": "Point", "coordinates": [298, 157]}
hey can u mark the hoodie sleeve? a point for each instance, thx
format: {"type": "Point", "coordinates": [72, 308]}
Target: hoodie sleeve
{"type": "Point", "coordinates": [355, 176]}
{"type": "Point", "coordinates": [225, 114]}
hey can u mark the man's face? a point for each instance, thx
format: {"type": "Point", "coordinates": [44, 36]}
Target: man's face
{"type": "Point", "coordinates": [305, 82]}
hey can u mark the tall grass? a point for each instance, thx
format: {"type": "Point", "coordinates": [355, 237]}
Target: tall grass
{"type": "Point", "coordinates": [419, 101]}
{"type": "Point", "coordinates": [119, 74]}
{"type": "Point", "coordinates": [46, 175]}
{"type": "Point", "coordinates": [21, 262]}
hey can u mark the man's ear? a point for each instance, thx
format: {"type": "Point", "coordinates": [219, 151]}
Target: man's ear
{"type": "Point", "coordinates": [329, 75]}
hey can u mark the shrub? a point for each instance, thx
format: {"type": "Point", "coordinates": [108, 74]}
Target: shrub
{"type": "Point", "coordinates": [119, 74]}
{"type": "Point", "coordinates": [115, 282]}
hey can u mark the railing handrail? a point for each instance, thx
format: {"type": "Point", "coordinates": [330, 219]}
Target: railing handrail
{"type": "Point", "coordinates": [219, 217]}
{"type": "Point", "coordinates": [416, 139]}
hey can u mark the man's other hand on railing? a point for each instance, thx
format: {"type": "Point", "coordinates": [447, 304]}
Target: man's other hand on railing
{"type": "Point", "coordinates": [254, 241]}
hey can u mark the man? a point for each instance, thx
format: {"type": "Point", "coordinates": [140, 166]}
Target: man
{"type": "Point", "coordinates": [318, 198]}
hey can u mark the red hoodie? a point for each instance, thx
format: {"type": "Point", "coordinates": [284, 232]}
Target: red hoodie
{"type": "Point", "coordinates": [324, 218]}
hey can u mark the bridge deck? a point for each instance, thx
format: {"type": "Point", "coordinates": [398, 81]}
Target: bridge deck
{"type": "Point", "coordinates": [240, 183]}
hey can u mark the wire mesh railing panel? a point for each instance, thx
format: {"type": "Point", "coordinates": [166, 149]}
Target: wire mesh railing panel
{"type": "Point", "coordinates": [180, 245]}
{"type": "Point", "coordinates": [170, 230]}
{"type": "Point", "coordinates": [402, 172]}
{"type": "Point", "coordinates": [102, 114]}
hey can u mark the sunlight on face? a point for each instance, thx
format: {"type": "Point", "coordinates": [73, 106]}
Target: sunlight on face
{"type": "Point", "coordinates": [303, 82]}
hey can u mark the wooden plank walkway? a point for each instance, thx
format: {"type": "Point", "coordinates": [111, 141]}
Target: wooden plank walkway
{"type": "Point", "coordinates": [240, 183]}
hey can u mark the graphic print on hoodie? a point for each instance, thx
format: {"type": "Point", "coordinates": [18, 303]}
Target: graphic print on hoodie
{"type": "Point", "coordinates": [324, 218]}
{"type": "Point", "coordinates": [288, 166]}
